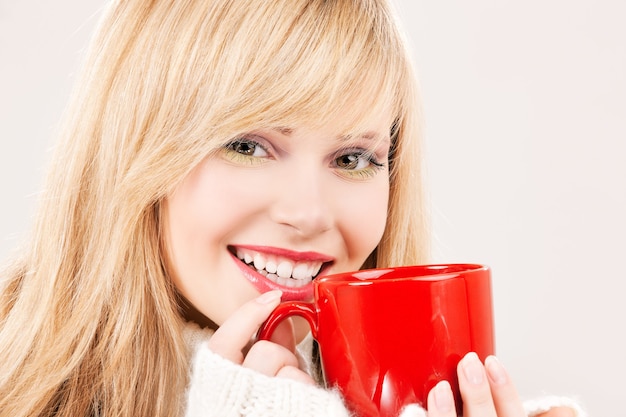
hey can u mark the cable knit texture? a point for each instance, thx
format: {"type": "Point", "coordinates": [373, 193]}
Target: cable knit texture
{"type": "Point", "coordinates": [541, 405]}
{"type": "Point", "coordinates": [231, 390]}
{"type": "Point", "coordinates": [219, 387]}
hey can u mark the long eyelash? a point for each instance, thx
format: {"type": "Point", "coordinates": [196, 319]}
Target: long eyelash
{"type": "Point", "coordinates": [237, 157]}
{"type": "Point", "coordinates": [240, 139]}
{"type": "Point", "coordinates": [371, 158]}
{"type": "Point", "coordinates": [246, 139]}
{"type": "Point", "coordinates": [364, 173]}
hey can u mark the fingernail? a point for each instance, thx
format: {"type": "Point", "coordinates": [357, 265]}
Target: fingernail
{"type": "Point", "coordinates": [269, 297]}
{"type": "Point", "coordinates": [473, 369]}
{"type": "Point", "coordinates": [495, 370]}
{"type": "Point", "coordinates": [443, 397]}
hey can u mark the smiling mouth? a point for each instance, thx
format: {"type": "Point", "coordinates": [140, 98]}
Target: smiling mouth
{"type": "Point", "coordinates": [280, 269]}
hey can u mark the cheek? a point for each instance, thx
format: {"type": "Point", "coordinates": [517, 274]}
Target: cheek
{"type": "Point", "coordinates": [190, 216]}
{"type": "Point", "coordinates": [376, 212]}
{"type": "Point", "coordinates": [206, 206]}
{"type": "Point", "coordinates": [365, 218]}
{"type": "Point", "coordinates": [197, 216]}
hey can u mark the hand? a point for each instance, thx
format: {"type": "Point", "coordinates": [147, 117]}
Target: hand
{"type": "Point", "coordinates": [487, 391]}
{"type": "Point", "coordinates": [272, 358]}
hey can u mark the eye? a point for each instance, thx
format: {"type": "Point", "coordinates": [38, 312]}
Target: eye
{"type": "Point", "coordinates": [246, 151]}
{"type": "Point", "coordinates": [247, 147]}
{"type": "Point", "coordinates": [357, 163]}
{"type": "Point", "coordinates": [352, 161]}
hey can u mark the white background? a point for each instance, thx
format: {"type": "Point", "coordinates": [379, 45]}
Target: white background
{"type": "Point", "coordinates": [525, 108]}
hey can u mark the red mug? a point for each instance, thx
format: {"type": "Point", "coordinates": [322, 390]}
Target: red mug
{"type": "Point", "coordinates": [387, 336]}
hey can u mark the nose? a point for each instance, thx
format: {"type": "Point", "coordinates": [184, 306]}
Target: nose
{"type": "Point", "coordinates": [303, 203]}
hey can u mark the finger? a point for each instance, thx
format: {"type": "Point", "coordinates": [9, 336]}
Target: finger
{"type": "Point", "coordinates": [474, 387]}
{"type": "Point", "coordinates": [504, 393]}
{"type": "Point", "coordinates": [235, 333]}
{"type": "Point", "coordinates": [441, 401]}
{"type": "Point", "coordinates": [559, 412]}
{"type": "Point", "coordinates": [295, 374]}
{"type": "Point", "coordinates": [268, 358]}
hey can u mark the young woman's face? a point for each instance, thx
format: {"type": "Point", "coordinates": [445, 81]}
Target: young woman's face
{"type": "Point", "coordinates": [274, 209]}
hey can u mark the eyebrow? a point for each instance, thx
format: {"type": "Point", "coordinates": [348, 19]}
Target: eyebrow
{"type": "Point", "coordinates": [287, 131]}
{"type": "Point", "coordinates": [370, 135]}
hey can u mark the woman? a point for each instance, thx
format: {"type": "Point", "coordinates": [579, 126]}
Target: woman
{"type": "Point", "coordinates": [207, 144]}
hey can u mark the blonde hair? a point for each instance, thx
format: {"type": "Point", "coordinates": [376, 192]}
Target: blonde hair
{"type": "Point", "coordinates": [89, 321]}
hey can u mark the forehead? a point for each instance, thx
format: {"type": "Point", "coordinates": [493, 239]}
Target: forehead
{"type": "Point", "coordinates": [372, 127]}
{"type": "Point", "coordinates": [370, 123]}
{"type": "Point", "coordinates": [371, 138]}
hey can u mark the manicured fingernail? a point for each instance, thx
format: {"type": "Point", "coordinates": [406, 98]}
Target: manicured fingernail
{"type": "Point", "coordinates": [473, 369]}
{"type": "Point", "coordinates": [495, 370]}
{"type": "Point", "coordinates": [443, 397]}
{"type": "Point", "coordinates": [269, 297]}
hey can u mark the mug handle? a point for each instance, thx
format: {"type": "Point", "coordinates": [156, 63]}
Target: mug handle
{"type": "Point", "coordinates": [283, 311]}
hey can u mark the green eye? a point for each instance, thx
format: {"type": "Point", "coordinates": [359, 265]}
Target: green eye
{"type": "Point", "coordinates": [358, 164]}
{"type": "Point", "coordinates": [247, 147]}
{"type": "Point", "coordinates": [244, 150]}
{"type": "Point", "coordinates": [347, 162]}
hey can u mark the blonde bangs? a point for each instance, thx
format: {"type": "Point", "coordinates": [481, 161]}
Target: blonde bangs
{"type": "Point", "coordinates": [314, 61]}
{"type": "Point", "coordinates": [320, 61]}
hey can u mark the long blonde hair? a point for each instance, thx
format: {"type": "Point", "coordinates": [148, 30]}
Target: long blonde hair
{"type": "Point", "coordinates": [89, 322]}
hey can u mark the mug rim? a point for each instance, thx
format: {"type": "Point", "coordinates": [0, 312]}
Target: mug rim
{"type": "Point", "coordinates": [426, 272]}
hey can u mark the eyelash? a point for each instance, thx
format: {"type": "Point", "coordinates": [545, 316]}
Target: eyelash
{"type": "Point", "coordinates": [234, 155]}
{"type": "Point", "coordinates": [361, 154]}
{"type": "Point", "coordinates": [373, 167]}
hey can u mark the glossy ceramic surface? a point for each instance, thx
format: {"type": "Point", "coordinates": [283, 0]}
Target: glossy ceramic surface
{"type": "Point", "coordinates": [387, 336]}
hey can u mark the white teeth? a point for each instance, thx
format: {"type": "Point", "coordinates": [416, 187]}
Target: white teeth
{"type": "Point", "coordinates": [271, 267]}
{"type": "Point", "coordinates": [315, 268]}
{"type": "Point", "coordinates": [259, 261]}
{"type": "Point", "coordinates": [284, 269]}
{"type": "Point", "coordinates": [301, 271]}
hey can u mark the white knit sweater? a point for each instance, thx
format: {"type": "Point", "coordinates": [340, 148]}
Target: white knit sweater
{"type": "Point", "coordinates": [221, 388]}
